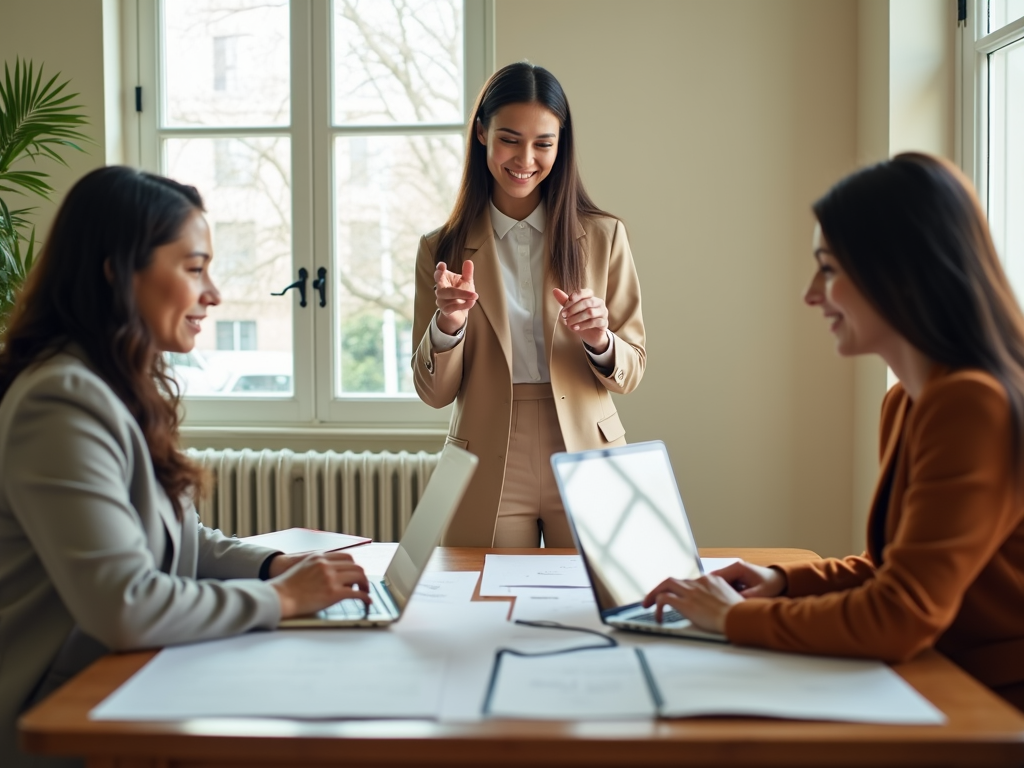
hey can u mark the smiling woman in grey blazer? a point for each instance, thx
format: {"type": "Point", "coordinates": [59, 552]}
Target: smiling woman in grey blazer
{"type": "Point", "coordinates": [100, 546]}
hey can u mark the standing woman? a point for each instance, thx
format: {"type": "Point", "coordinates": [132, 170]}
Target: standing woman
{"type": "Point", "coordinates": [527, 313]}
{"type": "Point", "coordinates": [100, 546]}
{"type": "Point", "coordinates": [906, 269]}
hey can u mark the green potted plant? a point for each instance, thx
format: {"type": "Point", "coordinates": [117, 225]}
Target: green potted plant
{"type": "Point", "coordinates": [37, 120]}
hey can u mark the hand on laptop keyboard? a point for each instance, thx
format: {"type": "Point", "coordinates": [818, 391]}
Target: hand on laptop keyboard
{"type": "Point", "coordinates": [318, 580]}
{"type": "Point", "coordinates": [351, 609]}
{"type": "Point", "coordinates": [704, 601]}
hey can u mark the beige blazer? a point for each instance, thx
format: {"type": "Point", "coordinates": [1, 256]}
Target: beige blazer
{"type": "Point", "coordinates": [92, 557]}
{"type": "Point", "coordinates": [477, 373]}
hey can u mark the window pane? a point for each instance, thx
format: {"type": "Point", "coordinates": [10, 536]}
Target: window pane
{"type": "Point", "coordinates": [1006, 159]}
{"type": "Point", "coordinates": [1002, 12]}
{"type": "Point", "coordinates": [397, 61]}
{"type": "Point", "coordinates": [389, 191]}
{"type": "Point", "coordinates": [250, 221]}
{"type": "Point", "coordinates": [226, 62]}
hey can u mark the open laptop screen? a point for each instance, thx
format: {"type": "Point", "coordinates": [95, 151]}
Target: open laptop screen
{"type": "Point", "coordinates": [429, 520]}
{"type": "Point", "coordinates": [628, 520]}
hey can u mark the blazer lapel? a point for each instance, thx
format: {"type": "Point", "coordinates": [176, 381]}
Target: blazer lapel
{"type": "Point", "coordinates": [889, 458]}
{"type": "Point", "coordinates": [551, 307]}
{"type": "Point", "coordinates": [489, 285]}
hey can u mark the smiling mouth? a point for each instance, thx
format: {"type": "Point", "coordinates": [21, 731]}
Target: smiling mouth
{"type": "Point", "coordinates": [194, 323]}
{"type": "Point", "coordinates": [520, 176]}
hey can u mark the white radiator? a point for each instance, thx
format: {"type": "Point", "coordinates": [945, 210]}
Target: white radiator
{"type": "Point", "coordinates": [365, 494]}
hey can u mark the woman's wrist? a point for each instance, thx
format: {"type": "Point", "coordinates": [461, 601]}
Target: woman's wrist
{"type": "Point", "coordinates": [783, 580]}
{"type": "Point", "coordinates": [601, 347]}
{"type": "Point", "coordinates": [448, 326]}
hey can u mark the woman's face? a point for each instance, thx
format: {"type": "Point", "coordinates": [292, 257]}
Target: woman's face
{"type": "Point", "coordinates": [174, 291]}
{"type": "Point", "coordinates": [522, 144]}
{"type": "Point", "coordinates": [855, 323]}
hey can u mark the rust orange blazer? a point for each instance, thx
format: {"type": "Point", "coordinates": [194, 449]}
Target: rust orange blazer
{"type": "Point", "coordinates": [477, 374]}
{"type": "Point", "coordinates": [950, 572]}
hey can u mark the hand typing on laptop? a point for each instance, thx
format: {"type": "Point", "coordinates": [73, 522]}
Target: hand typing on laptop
{"type": "Point", "coordinates": [307, 582]}
{"type": "Point", "coordinates": [706, 600]}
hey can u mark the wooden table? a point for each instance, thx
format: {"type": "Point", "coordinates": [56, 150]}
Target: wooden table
{"type": "Point", "coordinates": [982, 729]}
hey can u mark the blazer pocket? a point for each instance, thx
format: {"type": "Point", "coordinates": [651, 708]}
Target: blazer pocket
{"type": "Point", "coordinates": [457, 442]}
{"type": "Point", "coordinates": [611, 428]}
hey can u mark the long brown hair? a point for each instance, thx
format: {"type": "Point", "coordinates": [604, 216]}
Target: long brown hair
{"type": "Point", "coordinates": [81, 292]}
{"type": "Point", "coordinates": [562, 191]}
{"type": "Point", "coordinates": [912, 235]}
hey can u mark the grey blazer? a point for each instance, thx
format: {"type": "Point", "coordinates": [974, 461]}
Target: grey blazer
{"type": "Point", "coordinates": [92, 557]}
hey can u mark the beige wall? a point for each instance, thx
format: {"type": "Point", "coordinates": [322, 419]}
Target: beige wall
{"type": "Point", "coordinates": [710, 128]}
{"type": "Point", "coordinates": [64, 36]}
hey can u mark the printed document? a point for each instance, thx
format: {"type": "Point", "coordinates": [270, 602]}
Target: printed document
{"type": "Point", "coordinates": [504, 571]}
{"type": "Point", "coordinates": [591, 685]}
{"type": "Point", "coordinates": [446, 586]}
{"type": "Point", "coordinates": [571, 607]}
{"type": "Point", "coordinates": [694, 679]}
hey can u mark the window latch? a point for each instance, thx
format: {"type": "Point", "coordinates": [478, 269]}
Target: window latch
{"type": "Point", "coordinates": [301, 285]}
{"type": "Point", "coordinates": [320, 284]}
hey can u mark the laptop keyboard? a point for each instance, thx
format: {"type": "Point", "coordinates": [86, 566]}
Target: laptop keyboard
{"type": "Point", "coordinates": [356, 609]}
{"type": "Point", "coordinates": [667, 617]}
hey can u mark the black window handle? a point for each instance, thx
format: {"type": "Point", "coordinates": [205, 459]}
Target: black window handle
{"type": "Point", "coordinates": [320, 284]}
{"type": "Point", "coordinates": [301, 285]}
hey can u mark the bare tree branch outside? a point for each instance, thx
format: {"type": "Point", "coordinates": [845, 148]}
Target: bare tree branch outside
{"type": "Point", "coordinates": [396, 66]}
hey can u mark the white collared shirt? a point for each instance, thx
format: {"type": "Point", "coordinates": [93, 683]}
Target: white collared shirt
{"type": "Point", "coordinates": [520, 249]}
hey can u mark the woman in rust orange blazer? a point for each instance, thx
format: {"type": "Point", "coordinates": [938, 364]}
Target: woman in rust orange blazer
{"type": "Point", "coordinates": [906, 269]}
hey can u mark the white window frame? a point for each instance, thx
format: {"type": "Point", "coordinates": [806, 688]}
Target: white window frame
{"type": "Point", "coordinates": [313, 403]}
{"type": "Point", "coordinates": [971, 97]}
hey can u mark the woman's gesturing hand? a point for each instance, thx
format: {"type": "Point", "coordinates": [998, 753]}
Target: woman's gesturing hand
{"type": "Point", "coordinates": [455, 295]}
{"type": "Point", "coordinates": [586, 315]}
{"type": "Point", "coordinates": [317, 581]}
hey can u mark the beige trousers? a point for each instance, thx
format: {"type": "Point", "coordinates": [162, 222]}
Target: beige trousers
{"type": "Point", "coordinates": [529, 497]}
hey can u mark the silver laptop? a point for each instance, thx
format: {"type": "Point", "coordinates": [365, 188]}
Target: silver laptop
{"type": "Point", "coordinates": [630, 527]}
{"type": "Point", "coordinates": [390, 593]}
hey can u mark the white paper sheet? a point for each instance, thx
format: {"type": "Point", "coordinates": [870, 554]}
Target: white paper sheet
{"type": "Point", "coordinates": [583, 685]}
{"type": "Point", "coordinates": [293, 540]}
{"type": "Point", "coordinates": [464, 618]}
{"type": "Point", "coordinates": [714, 563]}
{"type": "Point", "coordinates": [288, 673]}
{"type": "Point", "coordinates": [697, 679]}
{"type": "Point", "coordinates": [703, 679]}
{"type": "Point", "coordinates": [503, 571]}
{"type": "Point", "coordinates": [446, 586]}
{"type": "Point", "coordinates": [470, 636]}
{"type": "Point", "coordinates": [572, 607]}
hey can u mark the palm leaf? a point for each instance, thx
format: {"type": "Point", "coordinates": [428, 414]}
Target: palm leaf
{"type": "Point", "coordinates": [36, 119]}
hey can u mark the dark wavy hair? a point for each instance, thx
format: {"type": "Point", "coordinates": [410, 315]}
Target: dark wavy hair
{"type": "Point", "coordinates": [81, 292]}
{"type": "Point", "coordinates": [562, 191]}
{"type": "Point", "coordinates": [913, 237]}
